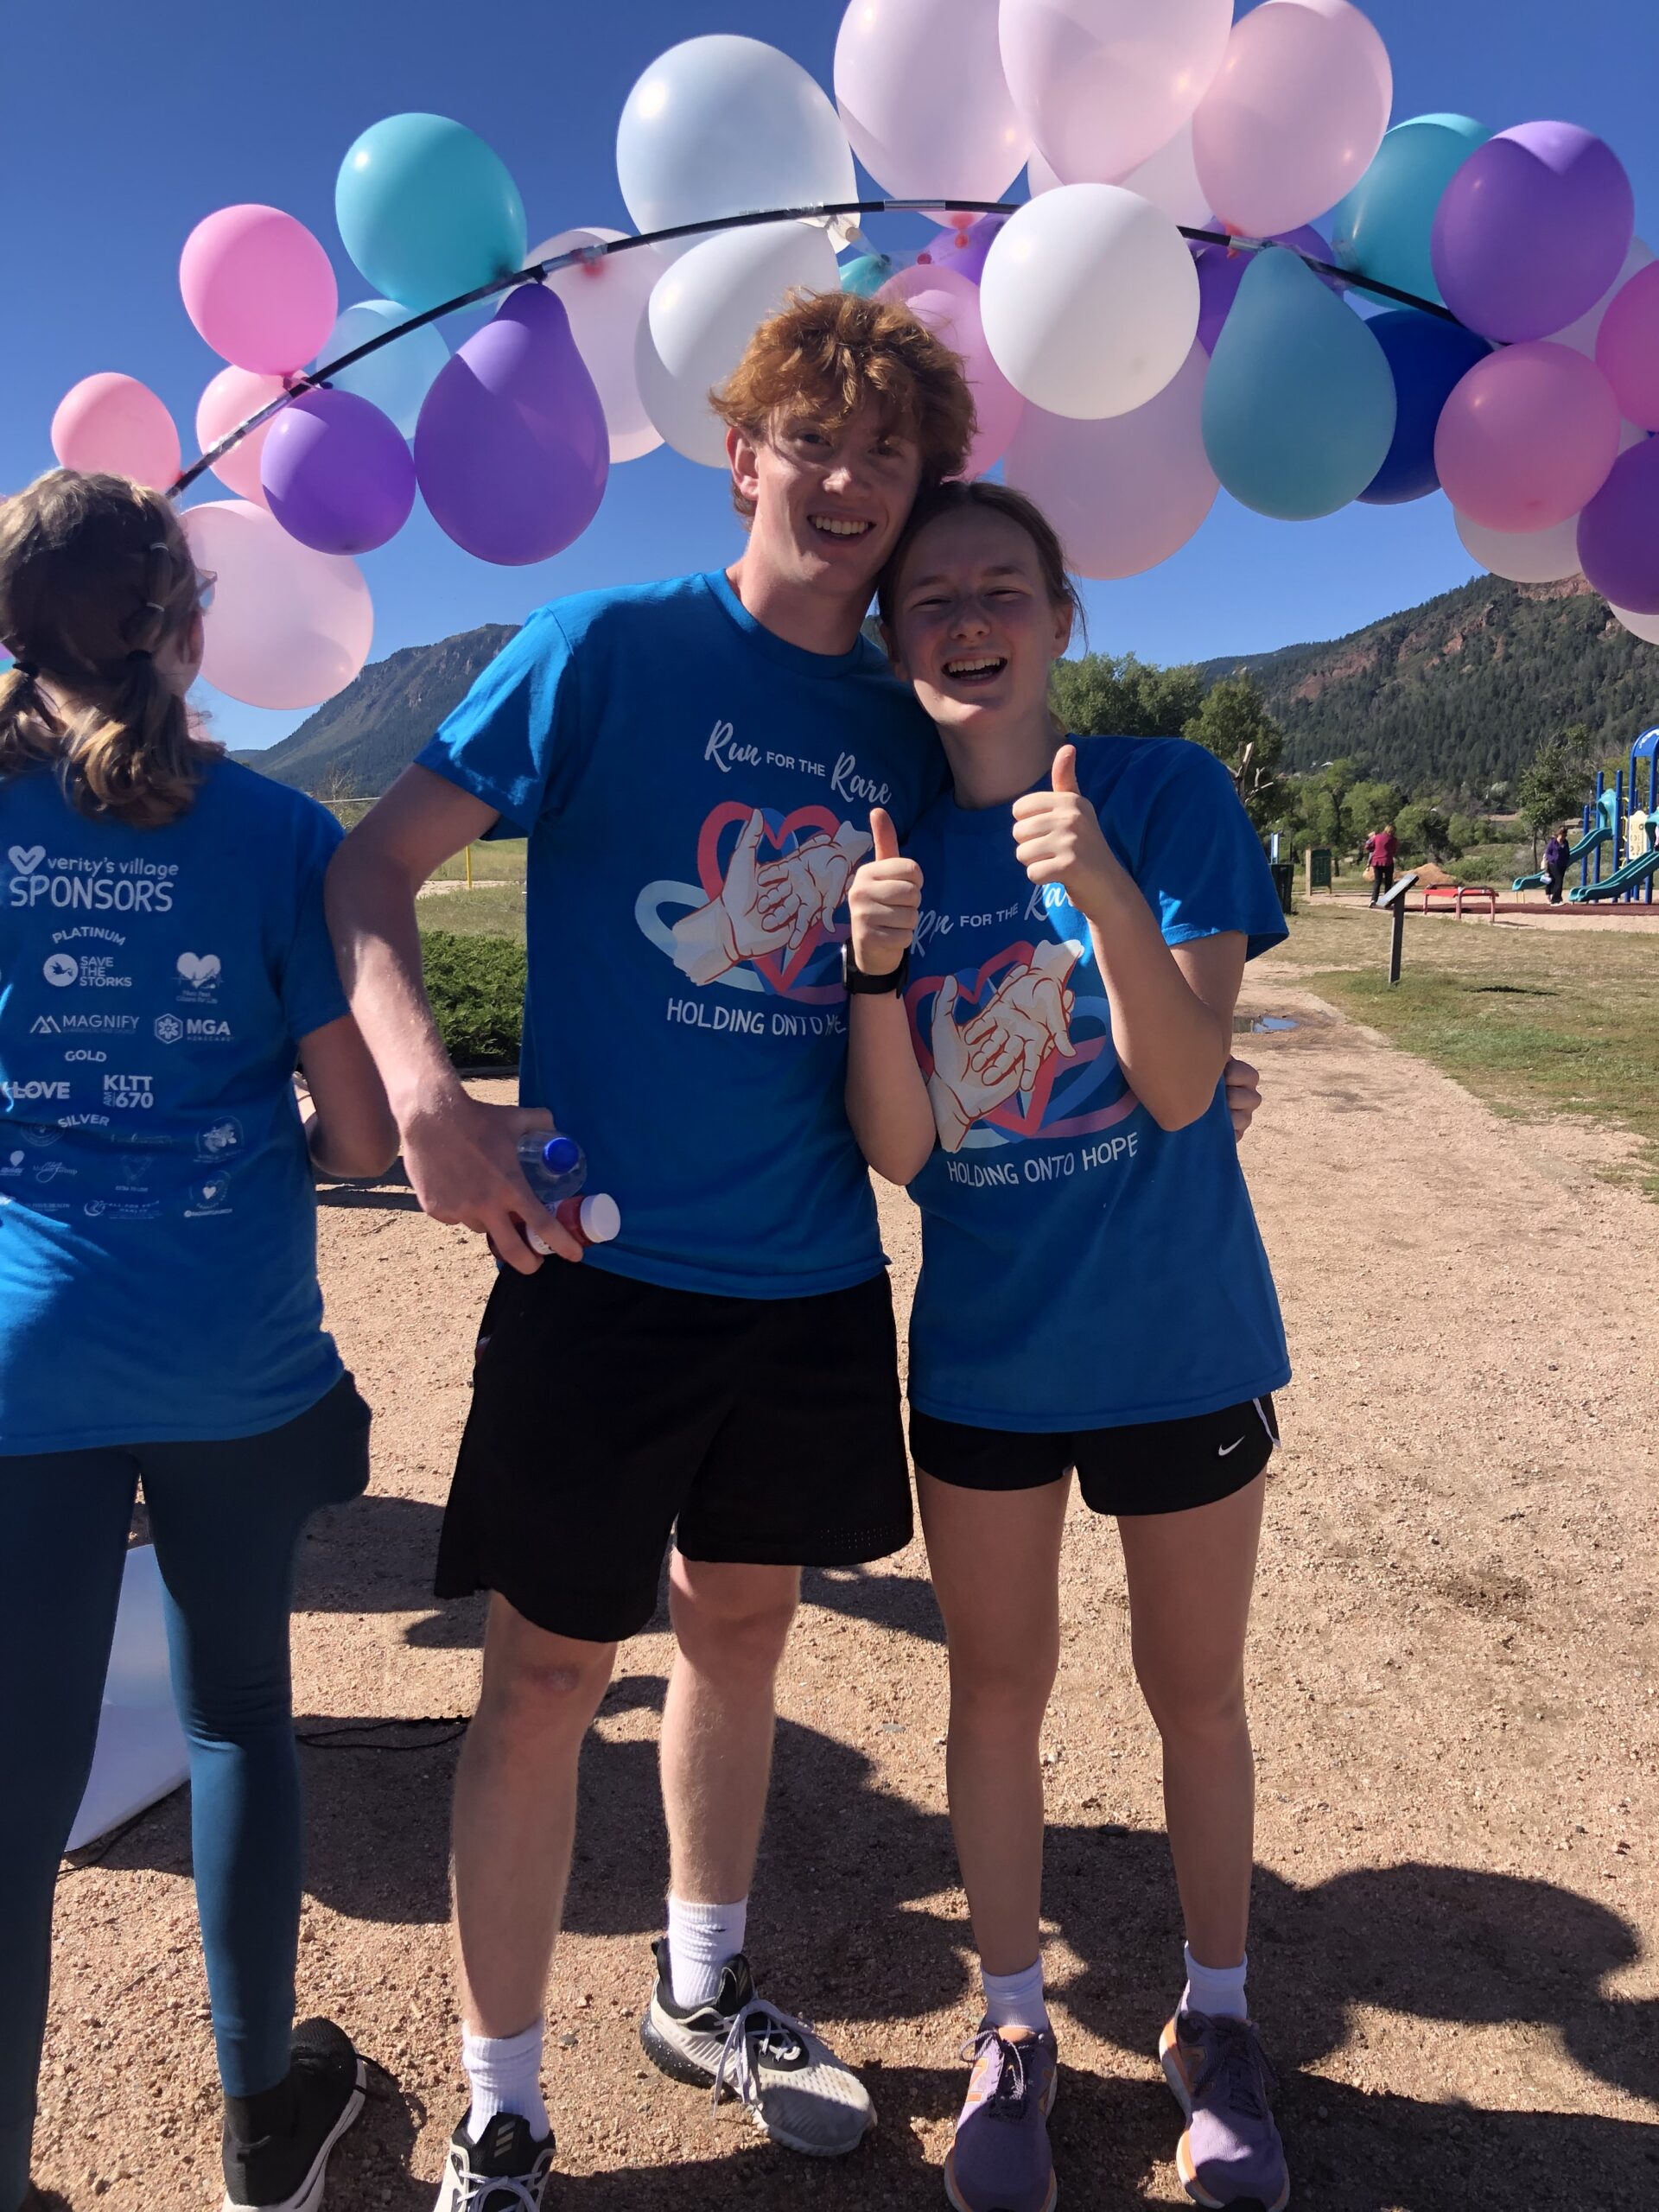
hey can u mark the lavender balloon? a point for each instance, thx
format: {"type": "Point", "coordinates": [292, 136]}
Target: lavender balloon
{"type": "Point", "coordinates": [1532, 231]}
{"type": "Point", "coordinates": [511, 449]}
{"type": "Point", "coordinates": [336, 472]}
{"type": "Point", "coordinates": [1618, 546]}
{"type": "Point", "coordinates": [968, 259]}
{"type": "Point", "coordinates": [1222, 271]}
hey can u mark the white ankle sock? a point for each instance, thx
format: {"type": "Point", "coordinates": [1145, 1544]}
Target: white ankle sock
{"type": "Point", "coordinates": [701, 1940]}
{"type": "Point", "coordinates": [506, 2072]}
{"type": "Point", "coordinates": [1216, 1991]}
{"type": "Point", "coordinates": [1015, 2000]}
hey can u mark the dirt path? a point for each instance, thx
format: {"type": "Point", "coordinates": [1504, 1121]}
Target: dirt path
{"type": "Point", "coordinates": [1455, 1673]}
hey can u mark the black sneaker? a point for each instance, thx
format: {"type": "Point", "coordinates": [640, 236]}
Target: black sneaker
{"type": "Point", "coordinates": [283, 2169]}
{"type": "Point", "coordinates": [508, 2169]}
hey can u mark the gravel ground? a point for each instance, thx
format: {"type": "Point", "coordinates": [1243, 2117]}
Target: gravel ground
{"type": "Point", "coordinates": [1453, 1671]}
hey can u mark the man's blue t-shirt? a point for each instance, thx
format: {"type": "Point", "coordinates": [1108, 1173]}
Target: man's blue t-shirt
{"type": "Point", "coordinates": [1081, 1267]}
{"type": "Point", "coordinates": [696, 793]}
{"type": "Point", "coordinates": [158, 1276]}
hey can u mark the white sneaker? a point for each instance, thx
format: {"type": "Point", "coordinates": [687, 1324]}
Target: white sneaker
{"type": "Point", "coordinates": [505, 2171]}
{"type": "Point", "coordinates": [798, 2092]}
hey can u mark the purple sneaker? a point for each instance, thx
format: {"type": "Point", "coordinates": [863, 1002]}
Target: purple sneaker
{"type": "Point", "coordinates": [1231, 2155]}
{"type": "Point", "coordinates": [1000, 2161]}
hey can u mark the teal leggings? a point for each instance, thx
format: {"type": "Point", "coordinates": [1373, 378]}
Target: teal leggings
{"type": "Point", "coordinates": [226, 1519]}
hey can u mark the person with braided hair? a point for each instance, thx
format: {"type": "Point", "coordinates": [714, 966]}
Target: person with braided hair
{"type": "Point", "coordinates": [164, 967]}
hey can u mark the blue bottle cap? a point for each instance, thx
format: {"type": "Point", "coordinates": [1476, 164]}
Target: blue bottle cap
{"type": "Point", "coordinates": [560, 1154]}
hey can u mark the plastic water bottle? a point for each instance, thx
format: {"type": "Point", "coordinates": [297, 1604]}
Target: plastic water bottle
{"type": "Point", "coordinates": [555, 1168]}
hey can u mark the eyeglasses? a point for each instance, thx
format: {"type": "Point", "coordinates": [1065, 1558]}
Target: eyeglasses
{"type": "Point", "coordinates": [205, 585]}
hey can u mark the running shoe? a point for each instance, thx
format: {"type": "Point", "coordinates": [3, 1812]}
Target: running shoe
{"type": "Point", "coordinates": [796, 2091]}
{"type": "Point", "coordinates": [508, 2169]}
{"type": "Point", "coordinates": [285, 2172]}
{"type": "Point", "coordinates": [1230, 2154]}
{"type": "Point", "coordinates": [1000, 2161]}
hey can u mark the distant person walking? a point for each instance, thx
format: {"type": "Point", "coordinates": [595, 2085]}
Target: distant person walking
{"type": "Point", "coordinates": [1381, 848]}
{"type": "Point", "coordinates": [1557, 854]}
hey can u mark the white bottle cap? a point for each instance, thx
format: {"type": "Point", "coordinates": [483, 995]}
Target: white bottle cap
{"type": "Point", "coordinates": [600, 1218]}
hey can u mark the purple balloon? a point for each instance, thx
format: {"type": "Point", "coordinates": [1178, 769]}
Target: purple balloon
{"type": "Point", "coordinates": [1618, 545]}
{"type": "Point", "coordinates": [1532, 231]}
{"type": "Point", "coordinates": [1222, 271]}
{"type": "Point", "coordinates": [969, 258]}
{"type": "Point", "coordinates": [336, 472]}
{"type": "Point", "coordinates": [511, 447]}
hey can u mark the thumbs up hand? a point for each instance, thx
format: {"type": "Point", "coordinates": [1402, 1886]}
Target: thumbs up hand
{"type": "Point", "coordinates": [884, 901]}
{"type": "Point", "coordinates": [1057, 839]}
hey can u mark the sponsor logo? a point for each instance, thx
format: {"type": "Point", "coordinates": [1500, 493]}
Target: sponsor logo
{"type": "Point", "coordinates": [13, 1163]}
{"type": "Point", "coordinates": [120, 1209]}
{"type": "Point", "coordinates": [83, 1025]}
{"type": "Point", "coordinates": [220, 1142]}
{"type": "Point", "coordinates": [203, 1028]}
{"type": "Point", "coordinates": [137, 887]}
{"type": "Point", "coordinates": [93, 971]}
{"type": "Point", "coordinates": [29, 1093]}
{"type": "Point", "coordinates": [60, 969]}
{"type": "Point", "coordinates": [25, 858]}
{"type": "Point", "coordinates": [135, 1174]}
{"type": "Point", "coordinates": [199, 974]}
{"type": "Point", "coordinates": [49, 1171]}
{"type": "Point", "coordinates": [84, 1054]}
{"type": "Point", "coordinates": [131, 1093]}
{"type": "Point", "coordinates": [208, 1198]}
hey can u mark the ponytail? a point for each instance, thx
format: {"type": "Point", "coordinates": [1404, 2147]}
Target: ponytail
{"type": "Point", "coordinates": [95, 579]}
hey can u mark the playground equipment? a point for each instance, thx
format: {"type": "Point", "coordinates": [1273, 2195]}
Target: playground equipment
{"type": "Point", "coordinates": [1601, 829]}
{"type": "Point", "coordinates": [1455, 894]}
{"type": "Point", "coordinates": [141, 1754]}
{"type": "Point", "coordinates": [1635, 840]}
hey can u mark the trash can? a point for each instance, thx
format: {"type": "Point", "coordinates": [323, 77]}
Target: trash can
{"type": "Point", "coordinates": [1284, 882]}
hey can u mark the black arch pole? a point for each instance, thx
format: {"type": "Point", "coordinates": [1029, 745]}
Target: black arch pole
{"type": "Point", "coordinates": [534, 271]}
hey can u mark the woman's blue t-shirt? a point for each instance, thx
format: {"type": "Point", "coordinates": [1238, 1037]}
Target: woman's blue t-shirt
{"type": "Point", "coordinates": [158, 1276]}
{"type": "Point", "coordinates": [1081, 1267]}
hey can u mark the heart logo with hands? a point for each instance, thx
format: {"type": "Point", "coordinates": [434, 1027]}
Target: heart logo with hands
{"type": "Point", "coordinates": [782, 883]}
{"type": "Point", "coordinates": [26, 858]}
{"type": "Point", "coordinates": [198, 968]}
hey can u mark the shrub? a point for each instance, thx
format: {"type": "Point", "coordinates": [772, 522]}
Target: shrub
{"type": "Point", "coordinates": [476, 985]}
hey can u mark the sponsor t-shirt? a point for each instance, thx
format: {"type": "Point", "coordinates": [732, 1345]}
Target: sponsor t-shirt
{"type": "Point", "coordinates": [157, 1223]}
{"type": "Point", "coordinates": [1081, 1267]}
{"type": "Point", "coordinates": [696, 793]}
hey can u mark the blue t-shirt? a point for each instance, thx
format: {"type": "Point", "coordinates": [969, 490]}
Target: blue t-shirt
{"type": "Point", "coordinates": [696, 793]}
{"type": "Point", "coordinates": [158, 1277]}
{"type": "Point", "coordinates": [1081, 1267]}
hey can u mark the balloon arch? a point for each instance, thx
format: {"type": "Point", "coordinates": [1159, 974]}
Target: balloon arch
{"type": "Point", "coordinates": [1158, 319]}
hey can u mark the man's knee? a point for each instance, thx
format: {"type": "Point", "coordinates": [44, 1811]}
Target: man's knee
{"type": "Point", "coordinates": [732, 1620]}
{"type": "Point", "coordinates": [538, 1687]}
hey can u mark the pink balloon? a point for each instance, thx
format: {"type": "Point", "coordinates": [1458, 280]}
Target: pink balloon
{"type": "Point", "coordinates": [1101, 86]}
{"type": "Point", "coordinates": [114, 422]}
{"type": "Point", "coordinates": [1627, 348]}
{"type": "Point", "coordinates": [1125, 493]}
{"type": "Point", "coordinates": [258, 287]}
{"type": "Point", "coordinates": [1528, 437]}
{"type": "Point", "coordinates": [230, 398]}
{"type": "Point", "coordinates": [1295, 116]}
{"type": "Point", "coordinates": [948, 305]}
{"type": "Point", "coordinates": [288, 627]}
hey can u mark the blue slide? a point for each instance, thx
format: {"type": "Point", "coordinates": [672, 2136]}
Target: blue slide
{"type": "Point", "coordinates": [1602, 834]}
{"type": "Point", "coordinates": [1615, 886]}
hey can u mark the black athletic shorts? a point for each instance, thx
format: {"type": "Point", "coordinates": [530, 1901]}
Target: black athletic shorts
{"type": "Point", "coordinates": [607, 1414]}
{"type": "Point", "coordinates": [1160, 1466]}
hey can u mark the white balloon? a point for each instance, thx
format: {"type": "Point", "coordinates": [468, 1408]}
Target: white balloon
{"type": "Point", "coordinates": [1039, 175]}
{"type": "Point", "coordinates": [1582, 335]}
{"type": "Point", "coordinates": [1535, 557]}
{"type": "Point", "coordinates": [1126, 493]}
{"type": "Point", "coordinates": [1645, 627]}
{"type": "Point", "coordinates": [728, 126]}
{"type": "Point", "coordinates": [1101, 85]}
{"type": "Point", "coordinates": [921, 93]}
{"type": "Point", "coordinates": [704, 311]}
{"type": "Point", "coordinates": [1089, 300]}
{"type": "Point", "coordinates": [1170, 180]}
{"type": "Point", "coordinates": [288, 626]}
{"type": "Point", "coordinates": [606, 300]}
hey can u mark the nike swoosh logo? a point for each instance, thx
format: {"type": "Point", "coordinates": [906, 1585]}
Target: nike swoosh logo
{"type": "Point", "coordinates": [1226, 1451]}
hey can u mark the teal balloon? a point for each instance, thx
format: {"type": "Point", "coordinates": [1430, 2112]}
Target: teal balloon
{"type": "Point", "coordinates": [1299, 406]}
{"type": "Point", "coordinates": [1385, 226]}
{"type": "Point", "coordinates": [867, 275]}
{"type": "Point", "coordinates": [397, 378]}
{"type": "Point", "coordinates": [427, 211]}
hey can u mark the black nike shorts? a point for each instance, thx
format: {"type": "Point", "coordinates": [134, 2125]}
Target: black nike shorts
{"type": "Point", "coordinates": [1159, 1466]}
{"type": "Point", "coordinates": [607, 1414]}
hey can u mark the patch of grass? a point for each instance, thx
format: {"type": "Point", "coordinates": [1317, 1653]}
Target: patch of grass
{"type": "Point", "coordinates": [477, 988]}
{"type": "Point", "coordinates": [497, 859]}
{"type": "Point", "coordinates": [1539, 1021]}
{"type": "Point", "coordinates": [497, 912]}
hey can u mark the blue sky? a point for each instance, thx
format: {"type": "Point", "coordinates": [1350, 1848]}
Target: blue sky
{"type": "Point", "coordinates": [125, 125]}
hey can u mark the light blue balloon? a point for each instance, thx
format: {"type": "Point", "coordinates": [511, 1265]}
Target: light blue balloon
{"type": "Point", "coordinates": [1383, 228]}
{"type": "Point", "coordinates": [427, 211]}
{"type": "Point", "coordinates": [397, 378]}
{"type": "Point", "coordinates": [1299, 406]}
{"type": "Point", "coordinates": [867, 275]}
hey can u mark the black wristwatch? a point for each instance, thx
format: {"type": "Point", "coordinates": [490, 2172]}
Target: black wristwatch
{"type": "Point", "coordinates": [859, 985]}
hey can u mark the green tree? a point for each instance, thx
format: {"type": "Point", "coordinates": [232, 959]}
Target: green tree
{"type": "Point", "coordinates": [1425, 829]}
{"type": "Point", "coordinates": [1551, 789]}
{"type": "Point", "coordinates": [1326, 814]}
{"type": "Point", "coordinates": [1371, 805]}
{"type": "Point", "coordinates": [1102, 696]}
{"type": "Point", "coordinates": [1234, 724]}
